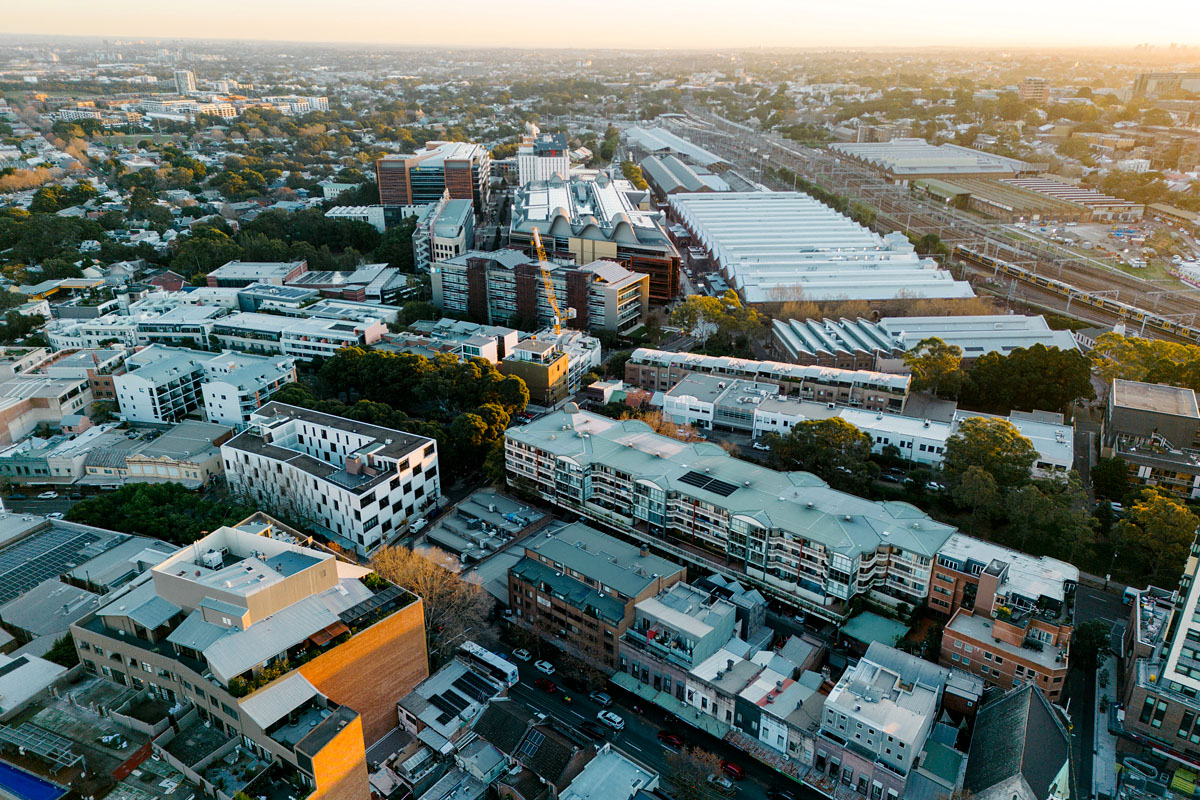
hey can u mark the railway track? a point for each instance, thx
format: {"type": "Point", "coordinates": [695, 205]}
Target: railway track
{"type": "Point", "coordinates": [1169, 312]}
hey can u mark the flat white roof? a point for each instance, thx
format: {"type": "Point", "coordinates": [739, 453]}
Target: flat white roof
{"type": "Point", "coordinates": [1032, 577]}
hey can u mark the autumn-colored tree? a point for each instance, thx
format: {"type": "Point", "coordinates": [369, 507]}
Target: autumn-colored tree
{"type": "Point", "coordinates": [936, 366]}
{"type": "Point", "coordinates": [1158, 532]}
{"type": "Point", "coordinates": [688, 770]}
{"type": "Point", "coordinates": [453, 607]}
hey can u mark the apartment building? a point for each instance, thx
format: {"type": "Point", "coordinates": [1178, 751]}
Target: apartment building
{"type": "Point", "coordinates": [660, 370]}
{"type": "Point", "coordinates": [583, 352]}
{"type": "Point", "coordinates": [1011, 615]}
{"type": "Point", "coordinates": [368, 283]}
{"type": "Point", "coordinates": [580, 586]}
{"type": "Point", "coordinates": [674, 632]}
{"type": "Point", "coordinates": [445, 229]}
{"type": "Point", "coordinates": [786, 533]}
{"type": "Point", "coordinates": [1034, 90]}
{"type": "Point", "coordinates": [358, 484]}
{"type": "Point", "coordinates": [506, 285]}
{"type": "Point", "coordinates": [238, 384]}
{"type": "Point", "coordinates": [292, 653]}
{"type": "Point", "coordinates": [1153, 428]}
{"type": "Point", "coordinates": [543, 367]}
{"type": "Point", "coordinates": [305, 338]}
{"type": "Point", "coordinates": [876, 722]}
{"type": "Point", "coordinates": [165, 384]}
{"type": "Point", "coordinates": [460, 168]}
{"type": "Point", "coordinates": [589, 219]}
{"type": "Point", "coordinates": [184, 325]}
{"type": "Point", "coordinates": [541, 156]}
{"type": "Point", "coordinates": [1161, 695]}
{"type": "Point", "coordinates": [459, 337]}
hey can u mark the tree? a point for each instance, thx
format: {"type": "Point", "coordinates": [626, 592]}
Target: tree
{"type": "Point", "coordinates": [395, 246]}
{"type": "Point", "coordinates": [992, 445]}
{"type": "Point", "coordinates": [416, 310]}
{"type": "Point", "coordinates": [1110, 478]}
{"type": "Point", "coordinates": [1037, 377]}
{"type": "Point", "coordinates": [1157, 533]}
{"type": "Point", "coordinates": [936, 366]}
{"type": "Point", "coordinates": [832, 449]}
{"type": "Point", "coordinates": [453, 607]}
{"type": "Point", "coordinates": [494, 468]}
{"type": "Point", "coordinates": [63, 652]}
{"type": "Point", "coordinates": [688, 770]}
{"type": "Point", "coordinates": [167, 511]}
{"type": "Point", "coordinates": [1089, 641]}
{"type": "Point", "coordinates": [723, 324]}
{"type": "Point", "coordinates": [977, 489]}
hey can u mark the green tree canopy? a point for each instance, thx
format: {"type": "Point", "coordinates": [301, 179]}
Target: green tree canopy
{"type": "Point", "coordinates": [832, 449]}
{"type": "Point", "coordinates": [1034, 378]}
{"type": "Point", "coordinates": [1157, 534]}
{"type": "Point", "coordinates": [167, 511]}
{"type": "Point", "coordinates": [936, 366]}
{"type": "Point", "coordinates": [992, 445]}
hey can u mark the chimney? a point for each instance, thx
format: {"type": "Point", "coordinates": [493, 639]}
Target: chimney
{"type": "Point", "coordinates": [729, 663]}
{"type": "Point", "coordinates": [644, 551]}
{"type": "Point", "coordinates": [779, 686]}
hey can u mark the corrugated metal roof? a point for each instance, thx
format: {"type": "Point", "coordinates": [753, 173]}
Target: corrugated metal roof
{"type": "Point", "coordinates": [278, 699]}
{"type": "Point", "coordinates": [237, 652]}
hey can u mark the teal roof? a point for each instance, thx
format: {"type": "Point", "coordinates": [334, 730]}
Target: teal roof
{"type": "Point", "coordinates": [576, 594]}
{"type": "Point", "coordinates": [869, 627]}
{"type": "Point", "coordinates": [942, 761]}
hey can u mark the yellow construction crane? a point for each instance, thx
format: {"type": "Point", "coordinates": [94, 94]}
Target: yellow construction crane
{"type": "Point", "coordinates": [544, 264]}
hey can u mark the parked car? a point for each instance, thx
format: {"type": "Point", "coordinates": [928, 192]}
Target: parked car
{"type": "Point", "coordinates": [522, 654]}
{"type": "Point", "coordinates": [761, 446]}
{"type": "Point", "coordinates": [732, 770]}
{"type": "Point", "coordinates": [592, 729]}
{"type": "Point", "coordinates": [544, 667]}
{"type": "Point", "coordinates": [610, 719]}
{"type": "Point", "coordinates": [418, 526]}
{"type": "Point", "coordinates": [892, 476]}
{"type": "Point", "coordinates": [47, 495]}
{"type": "Point", "coordinates": [17, 496]}
{"type": "Point", "coordinates": [76, 495]}
{"type": "Point", "coordinates": [546, 685]}
{"type": "Point", "coordinates": [722, 785]}
{"type": "Point", "coordinates": [600, 697]}
{"type": "Point", "coordinates": [55, 515]}
{"type": "Point", "coordinates": [673, 739]}
{"type": "Point", "coordinates": [780, 794]}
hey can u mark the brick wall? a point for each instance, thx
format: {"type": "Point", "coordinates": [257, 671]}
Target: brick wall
{"type": "Point", "coordinates": [374, 669]}
{"type": "Point", "coordinates": [340, 769]}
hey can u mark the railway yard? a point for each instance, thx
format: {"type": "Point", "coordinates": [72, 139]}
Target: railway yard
{"type": "Point", "coordinates": [1026, 269]}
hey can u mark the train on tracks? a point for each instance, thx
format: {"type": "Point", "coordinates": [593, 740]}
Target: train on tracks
{"type": "Point", "coordinates": [1125, 311]}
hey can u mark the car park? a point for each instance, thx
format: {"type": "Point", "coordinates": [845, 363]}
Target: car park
{"type": "Point", "coordinates": [544, 667]}
{"type": "Point", "coordinates": [612, 720]}
{"type": "Point", "coordinates": [521, 654]}
{"type": "Point", "coordinates": [601, 698]}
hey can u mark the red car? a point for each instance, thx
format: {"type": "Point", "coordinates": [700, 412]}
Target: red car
{"type": "Point", "coordinates": [673, 739]}
{"type": "Point", "coordinates": [546, 685]}
{"type": "Point", "coordinates": [732, 770]}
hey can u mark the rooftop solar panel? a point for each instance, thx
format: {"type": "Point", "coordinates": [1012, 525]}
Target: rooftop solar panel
{"type": "Point", "coordinates": [708, 483]}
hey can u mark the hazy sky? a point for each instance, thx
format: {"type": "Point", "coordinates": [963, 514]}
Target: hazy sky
{"type": "Point", "coordinates": [623, 23]}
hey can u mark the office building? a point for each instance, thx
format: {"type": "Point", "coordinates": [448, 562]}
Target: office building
{"type": "Point", "coordinates": [590, 219]}
{"type": "Point", "coordinates": [876, 721]}
{"type": "Point", "coordinates": [1153, 428]}
{"type": "Point", "coordinates": [660, 370]}
{"type": "Point", "coordinates": [772, 247]}
{"type": "Point", "coordinates": [1034, 90]}
{"type": "Point", "coordinates": [371, 215]}
{"type": "Point", "coordinates": [456, 337]}
{"type": "Point", "coordinates": [506, 285]}
{"type": "Point", "coordinates": [238, 274]}
{"type": "Point", "coordinates": [1152, 84]}
{"type": "Point", "coordinates": [358, 484]}
{"type": "Point", "coordinates": [786, 533]}
{"type": "Point", "coordinates": [184, 325]}
{"type": "Point", "coordinates": [185, 82]}
{"type": "Point", "coordinates": [674, 632]}
{"type": "Point", "coordinates": [543, 367]}
{"type": "Point", "coordinates": [367, 283]}
{"type": "Point", "coordinates": [866, 344]}
{"type": "Point", "coordinates": [580, 586]}
{"type": "Point", "coordinates": [541, 156]}
{"type": "Point", "coordinates": [281, 649]}
{"type": "Point", "coordinates": [1011, 615]}
{"type": "Point", "coordinates": [445, 229]}
{"type": "Point", "coordinates": [460, 168]}
{"type": "Point", "coordinates": [1020, 749]}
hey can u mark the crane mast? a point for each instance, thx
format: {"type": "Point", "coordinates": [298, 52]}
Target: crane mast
{"type": "Point", "coordinates": [547, 281]}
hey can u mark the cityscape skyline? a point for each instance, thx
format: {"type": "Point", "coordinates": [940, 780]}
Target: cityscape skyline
{"type": "Point", "coordinates": [666, 25]}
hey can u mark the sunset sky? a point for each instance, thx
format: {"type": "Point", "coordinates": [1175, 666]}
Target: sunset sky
{"type": "Point", "coordinates": [623, 23]}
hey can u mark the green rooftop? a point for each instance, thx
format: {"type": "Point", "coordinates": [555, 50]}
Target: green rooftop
{"type": "Point", "coordinates": [869, 627]}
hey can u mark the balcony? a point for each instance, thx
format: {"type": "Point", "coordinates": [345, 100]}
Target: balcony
{"type": "Point", "coordinates": [660, 647]}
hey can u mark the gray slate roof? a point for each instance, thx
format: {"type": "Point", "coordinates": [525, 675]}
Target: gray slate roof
{"type": "Point", "coordinates": [1018, 733]}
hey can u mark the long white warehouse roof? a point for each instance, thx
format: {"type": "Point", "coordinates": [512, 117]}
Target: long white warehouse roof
{"type": "Point", "coordinates": [779, 246]}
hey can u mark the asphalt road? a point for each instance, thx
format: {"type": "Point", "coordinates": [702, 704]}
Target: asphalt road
{"type": "Point", "coordinates": [33, 505]}
{"type": "Point", "coordinates": [639, 739]}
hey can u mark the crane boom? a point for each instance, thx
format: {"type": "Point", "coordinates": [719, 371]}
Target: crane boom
{"type": "Point", "coordinates": [547, 281]}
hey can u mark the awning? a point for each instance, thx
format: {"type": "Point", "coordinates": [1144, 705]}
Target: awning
{"type": "Point", "coordinates": [668, 702]}
{"type": "Point", "coordinates": [327, 635]}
